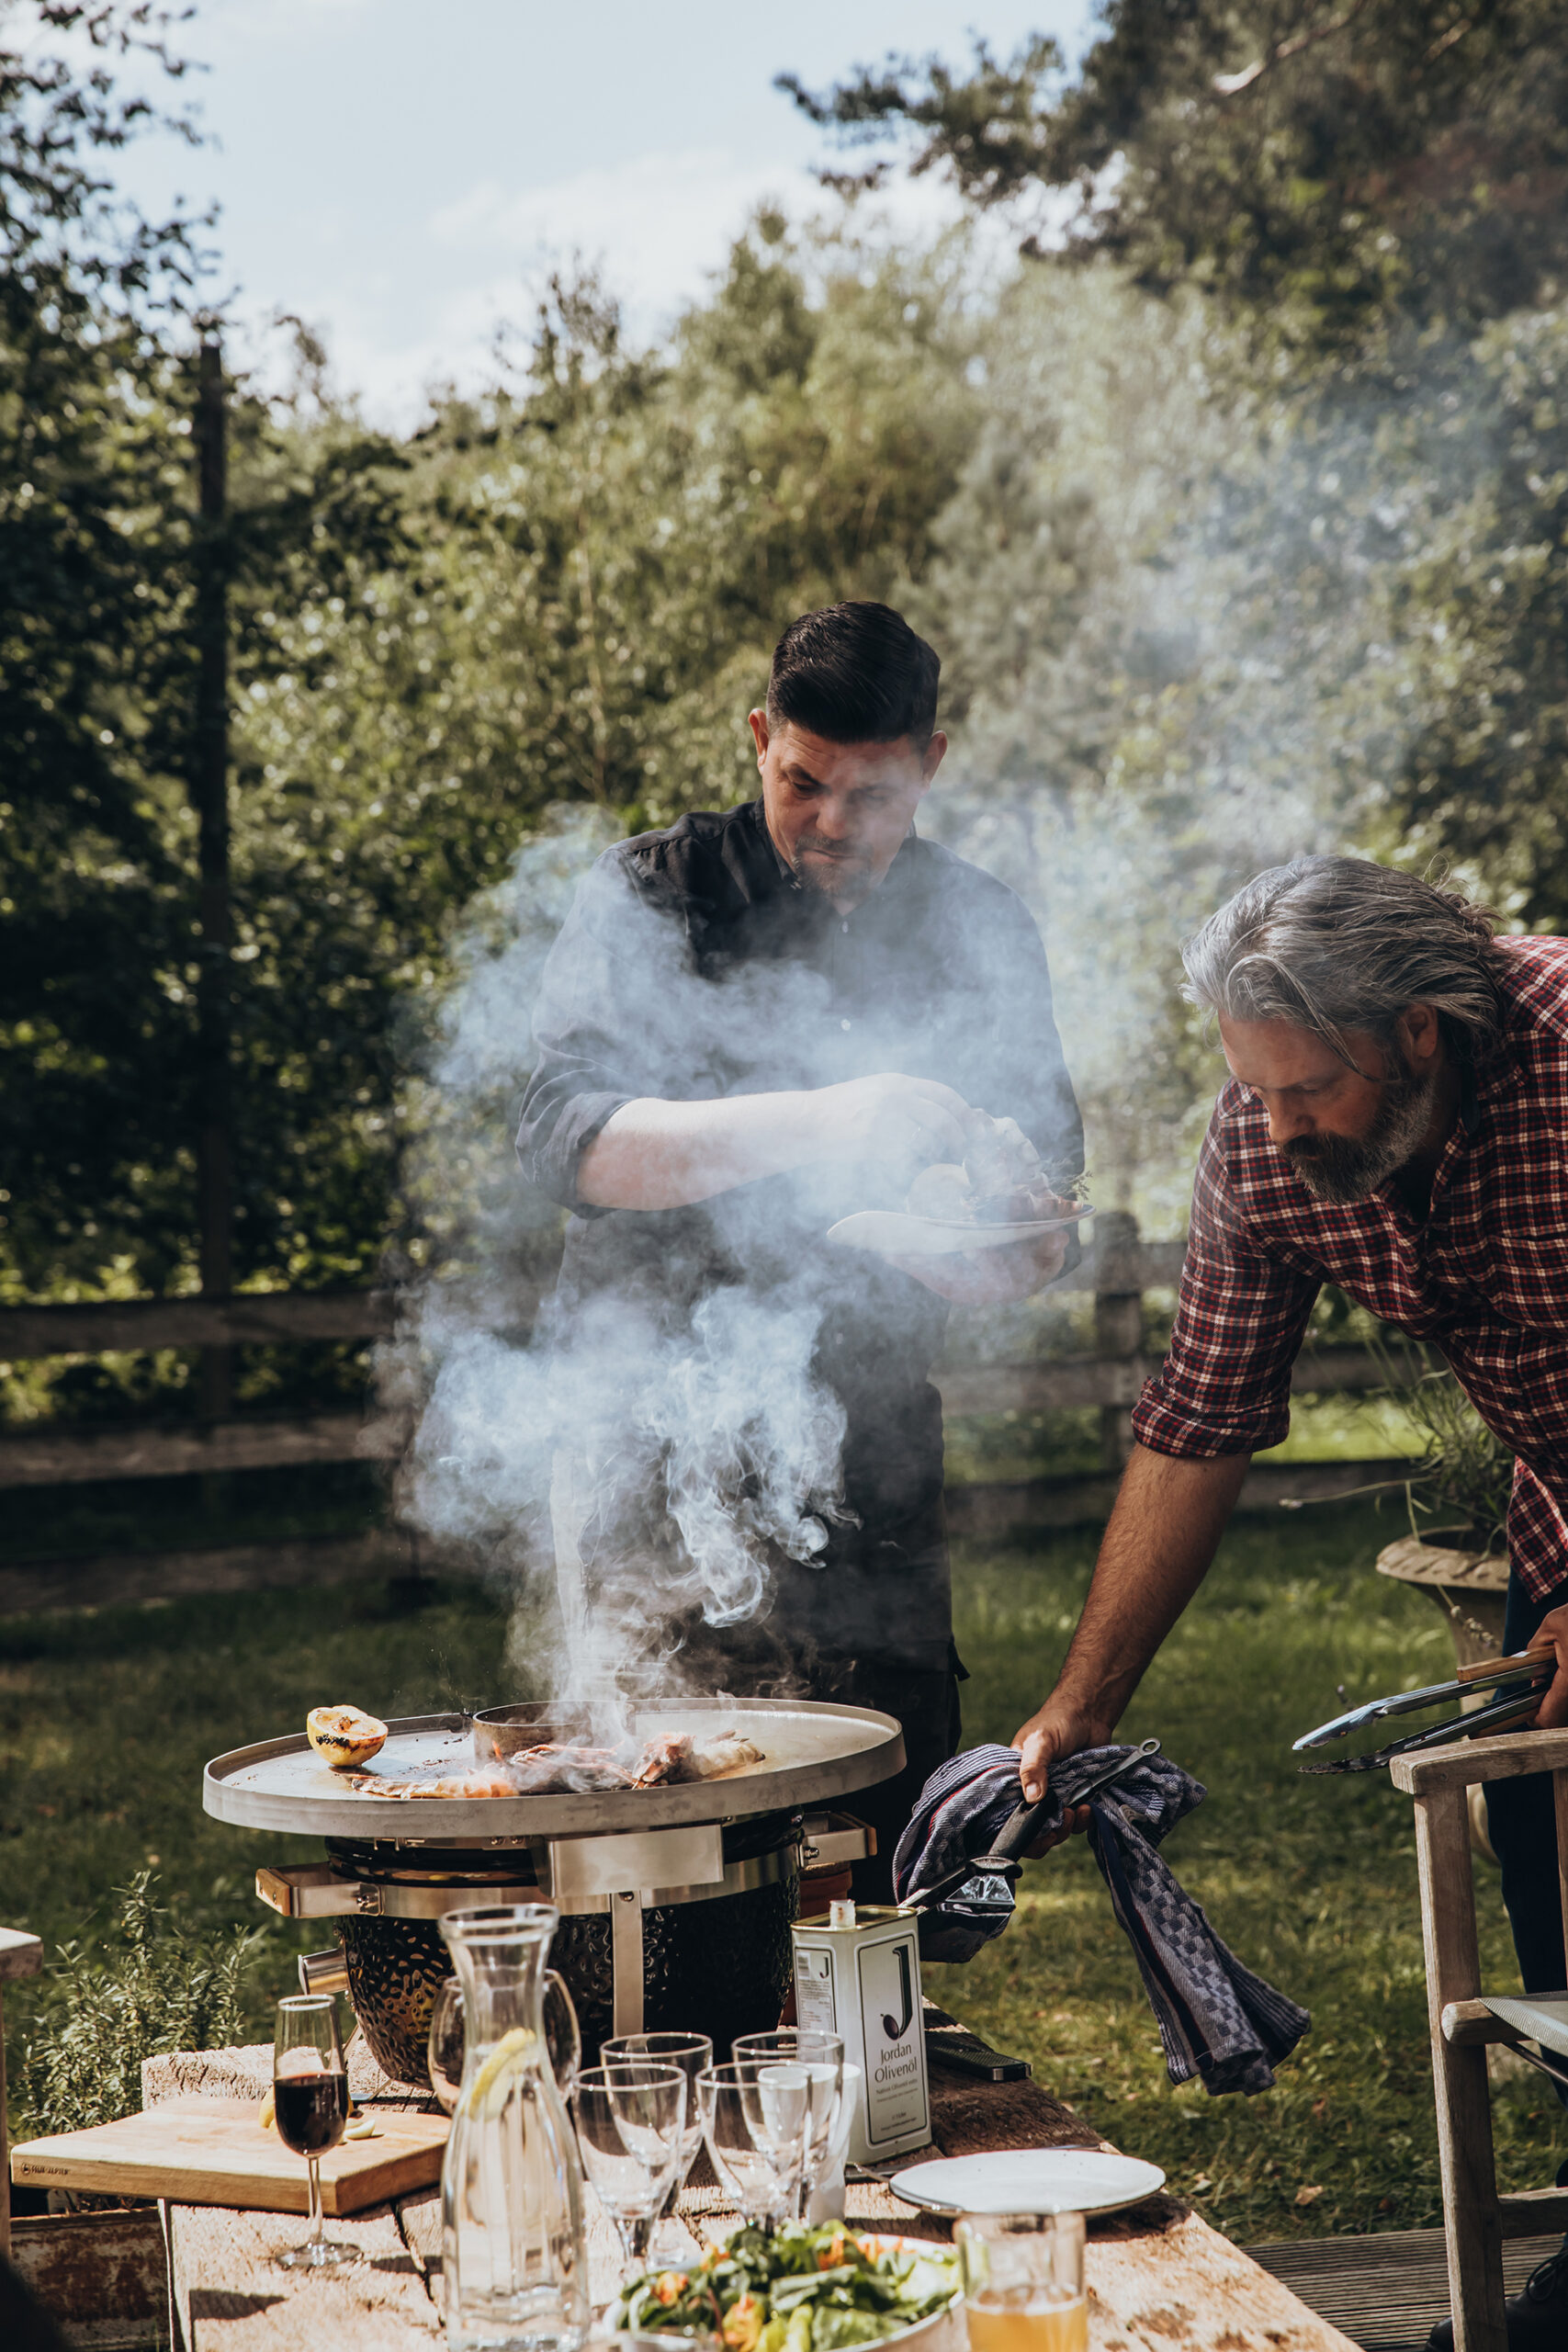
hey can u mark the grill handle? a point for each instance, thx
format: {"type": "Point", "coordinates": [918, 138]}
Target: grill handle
{"type": "Point", "coordinates": [324, 1971]}
{"type": "Point", "coordinates": [1013, 1841]}
{"type": "Point", "coordinates": [828, 1840]}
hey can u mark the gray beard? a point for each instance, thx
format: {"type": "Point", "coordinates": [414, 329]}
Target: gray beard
{"type": "Point", "coordinates": [1341, 1170]}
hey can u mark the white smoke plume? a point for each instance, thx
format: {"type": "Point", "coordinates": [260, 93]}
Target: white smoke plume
{"type": "Point", "coordinates": [718, 1418]}
{"type": "Point", "coordinates": [1169, 611]}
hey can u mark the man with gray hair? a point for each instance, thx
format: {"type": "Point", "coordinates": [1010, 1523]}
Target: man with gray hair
{"type": "Point", "coordinates": [1396, 1122]}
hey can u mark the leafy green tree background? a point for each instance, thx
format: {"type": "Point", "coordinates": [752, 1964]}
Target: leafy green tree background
{"type": "Point", "coordinates": [1238, 519]}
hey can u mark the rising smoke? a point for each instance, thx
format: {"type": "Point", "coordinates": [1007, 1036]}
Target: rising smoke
{"type": "Point", "coordinates": [695, 1417]}
{"type": "Point", "coordinates": [1168, 616]}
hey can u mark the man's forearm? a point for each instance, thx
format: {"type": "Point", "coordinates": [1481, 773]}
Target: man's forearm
{"type": "Point", "coordinates": [655, 1155]}
{"type": "Point", "coordinates": [1169, 1515]}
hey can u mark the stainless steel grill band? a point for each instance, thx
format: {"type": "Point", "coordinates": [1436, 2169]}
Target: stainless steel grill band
{"type": "Point", "coordinates": [317, 1891]}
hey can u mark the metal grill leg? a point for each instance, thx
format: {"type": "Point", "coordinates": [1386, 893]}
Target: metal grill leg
{"type": "Point", "coordinates": [626, 1963]}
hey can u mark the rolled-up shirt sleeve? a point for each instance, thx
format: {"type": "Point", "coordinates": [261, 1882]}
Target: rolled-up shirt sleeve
{"type": "Point", "coordinates": [595, 1049]}
{"type": "Point", "coordinates": [1225, 1384]}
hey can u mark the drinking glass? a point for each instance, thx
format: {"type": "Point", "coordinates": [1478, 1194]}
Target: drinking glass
{"type": "Point", "coordinates": [630, 2121]}
{"type": "Point", "coordinates": [309, 2093]}
{"type": "Point", "coordinates": [563, 2039]}
{"type": "Point", "coordinates": [693, 2053]}
{"type": "Point", "coordinates": [747, 2167]}
{"type": "Point", "coordinates": [788, 2104]}
{"type": "Point", "coordinates": [563, 2035]}
{"type": "Point", "coordinates": [826, 2202]}
{"type": "Point", "coordinates": [1022, 2278]}
{"type": "Point", "coordinates": [448, 2040]}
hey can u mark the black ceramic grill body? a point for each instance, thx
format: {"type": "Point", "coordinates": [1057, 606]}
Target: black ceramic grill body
{"type": "Point", "coordinates": [715, 1960]}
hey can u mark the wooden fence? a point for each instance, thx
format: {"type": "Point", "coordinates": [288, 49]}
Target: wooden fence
{"type": "Point", "coordinates": [1119, 1269]}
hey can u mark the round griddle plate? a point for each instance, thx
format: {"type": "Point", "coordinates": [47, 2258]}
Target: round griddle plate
{"type": "Point", "coordinates": [812, 1753]}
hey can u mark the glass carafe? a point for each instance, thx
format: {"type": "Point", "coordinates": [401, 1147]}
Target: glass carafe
{"type": "Point", "coordinates": [514, 2258]}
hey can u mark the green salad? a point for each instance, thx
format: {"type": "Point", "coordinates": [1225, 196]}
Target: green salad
{"type": "Point", "coordinates": [796, 2291]}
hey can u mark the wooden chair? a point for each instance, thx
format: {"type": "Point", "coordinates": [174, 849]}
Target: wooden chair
{"type": "Point", "coordinates": [1475, 2219]}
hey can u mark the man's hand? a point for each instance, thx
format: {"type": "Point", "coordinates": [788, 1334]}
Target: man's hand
{"type": "Point", "coordinates": [1552, 1712]}
{"type": "Point", "coordinates": [1055, 1729]}
{"type": "Point", "coordinates": [1050, 1732]}
{"type": "Point", "coordinates": [991, 1277]}
{"type": "Point", "coordinates": [900, 1122]}
{"type": "Point", "coordinates": [1169, 1515]}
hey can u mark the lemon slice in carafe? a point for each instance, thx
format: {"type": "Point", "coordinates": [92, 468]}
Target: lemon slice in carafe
{"type": "Point", "coordinates": [511, 2053]}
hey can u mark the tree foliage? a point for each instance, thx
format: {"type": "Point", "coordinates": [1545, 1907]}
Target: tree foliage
{"type": "Point", "coordinates": [1357, 215]}
{"type": "Point", "coordinates": [1318, 162]}
{"type": "Point", "coordinates": [565, 592]}
{"type": "Point", "coordinates": [1239, 524]}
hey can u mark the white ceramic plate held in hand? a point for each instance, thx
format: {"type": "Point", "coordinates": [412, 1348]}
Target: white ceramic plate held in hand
{"type": "Point", "coordinates": [1028, 2180]}
{"type": "Point", "coordinates": [896, 1234]}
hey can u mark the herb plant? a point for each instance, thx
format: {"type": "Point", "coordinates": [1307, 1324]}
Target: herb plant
{"type": "Point", "coordinates": [167, 1988]}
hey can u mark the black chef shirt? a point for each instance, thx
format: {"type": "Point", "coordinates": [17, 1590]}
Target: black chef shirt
{"type": "Point", "coordinates": [694, 967]}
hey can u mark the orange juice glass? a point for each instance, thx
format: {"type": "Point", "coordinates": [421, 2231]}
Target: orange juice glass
{"type": "Point", "coordinates": [1023, 2288]}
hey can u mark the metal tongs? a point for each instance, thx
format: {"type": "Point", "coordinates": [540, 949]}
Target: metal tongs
{"type": "Point", "coordinates": [987, 1881]}
{"type": "Point", "coordinates": [1528, 1675]}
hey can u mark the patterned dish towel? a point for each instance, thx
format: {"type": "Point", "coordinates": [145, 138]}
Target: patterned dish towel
{"type": "Point", "coordinates": [1217, 2020]}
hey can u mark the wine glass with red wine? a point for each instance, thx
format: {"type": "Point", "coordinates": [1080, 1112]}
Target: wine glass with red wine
{"type": "Point", "coordinates": [309, 2100]}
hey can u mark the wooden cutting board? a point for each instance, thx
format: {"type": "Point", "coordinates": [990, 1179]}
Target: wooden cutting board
{"type": "Point", "coordinates": [213, 2152]}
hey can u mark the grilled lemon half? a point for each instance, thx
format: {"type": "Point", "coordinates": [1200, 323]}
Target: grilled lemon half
{"type": "Point", "coordinates": [343, 1736]}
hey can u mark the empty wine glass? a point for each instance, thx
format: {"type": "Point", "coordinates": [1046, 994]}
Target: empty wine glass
{"type": "Point", "coordinates": [563, 2039]}
{"type": "Point", "coordinates": [826, 2202]}
{"type": "Point", "coordinates": [746, 2166]}
{"type": "Point", "coordinates": [309, 2097]}
{"type": "Point", "coordinates": [693, 2053]}
{"type": "Point", "coordinates": [445, 2054]}
{"type": "Point", "coordinates": [563, 2035]}
{"type": "Point", "coordinates": [797, 2092]}
{"type": "Point", "coordinates": [630, 2121]}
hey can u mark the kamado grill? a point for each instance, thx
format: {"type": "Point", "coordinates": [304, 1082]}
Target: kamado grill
{"type": "Point", "coordinates": [675, 1901]}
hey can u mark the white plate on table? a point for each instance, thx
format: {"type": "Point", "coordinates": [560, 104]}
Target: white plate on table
{"type": "Point", "coordinates": [1028, 2180]}
{"type": "Point", "coordinates": [897, 1234]}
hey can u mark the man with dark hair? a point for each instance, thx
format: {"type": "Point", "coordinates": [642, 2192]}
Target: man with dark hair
{"type": "Point", "coordinates": [1394, 1123]}
{"type": "Point", "coordinates": [754, 1022]}
{"type": "Point", "coordinates": [854, 673]}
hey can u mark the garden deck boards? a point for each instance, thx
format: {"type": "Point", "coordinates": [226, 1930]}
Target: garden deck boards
{"type": "Point", "coordinates": [1388, 2291]}
{"type": "Point", "coordinates": [1159, 2278]}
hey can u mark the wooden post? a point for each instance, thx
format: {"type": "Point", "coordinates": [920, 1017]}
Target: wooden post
{"type": "Point", "coordinates": [1118, 1319]}
{"type": "Point", "coordinates": [20, 1955]}
{"type": "Point", "coordinates": [210, 798]}
{"type": "Point", "coordinates": [1472, 2222]}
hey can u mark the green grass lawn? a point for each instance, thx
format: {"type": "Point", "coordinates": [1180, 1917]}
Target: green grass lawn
{"type": "Point", "coordinates": [107, 1718]}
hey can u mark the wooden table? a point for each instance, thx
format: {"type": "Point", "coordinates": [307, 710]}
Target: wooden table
{"type": "Point", "coordinates": [20, 1955]}
{"type": "Point", "coordinates": [1160, 2279]}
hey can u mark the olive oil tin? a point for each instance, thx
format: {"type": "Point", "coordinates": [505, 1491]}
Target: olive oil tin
{"type": "Point", "coordinates": [857, 1973]}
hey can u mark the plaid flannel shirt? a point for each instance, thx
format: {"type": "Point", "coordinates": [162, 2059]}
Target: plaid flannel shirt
{"type": "Point", "coordinates": [1483, 1276]}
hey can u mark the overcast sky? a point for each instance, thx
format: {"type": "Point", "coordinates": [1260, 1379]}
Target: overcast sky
{"type": "Point", "coordinates": [400, 172]}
